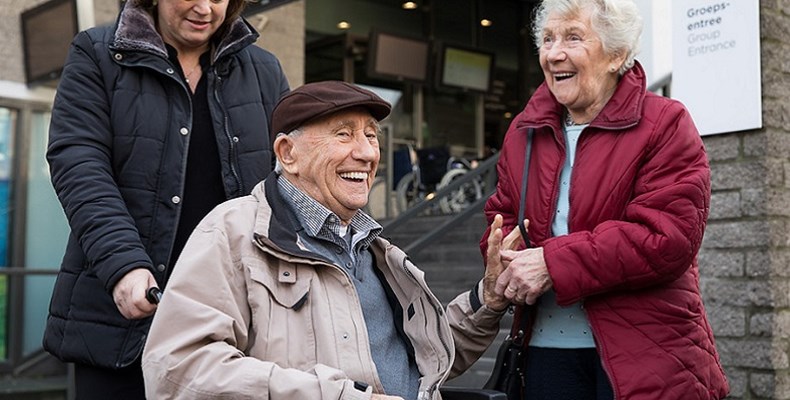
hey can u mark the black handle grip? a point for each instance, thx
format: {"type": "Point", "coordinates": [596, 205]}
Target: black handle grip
{"type": "Point", "coordinates": [153, 294]}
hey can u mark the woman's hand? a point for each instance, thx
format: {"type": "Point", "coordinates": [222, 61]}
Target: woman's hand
{"type": "Point", "coordinates": [494, 265]}
{"type": "Point", "coordinates": [129, 294]}
{"type": "Point", "coordinates": [525, 277]}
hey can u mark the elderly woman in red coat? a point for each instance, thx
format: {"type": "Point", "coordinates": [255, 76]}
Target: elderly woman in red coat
{"type": "Point", "coordinates": [617, 194]}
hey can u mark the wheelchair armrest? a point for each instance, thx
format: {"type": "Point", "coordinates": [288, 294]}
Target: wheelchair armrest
{"type": "Point", "coordinates": [459, 393]}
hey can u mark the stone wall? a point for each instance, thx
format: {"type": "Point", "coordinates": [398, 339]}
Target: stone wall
{"type": "Point", "coordinates": [745, 260]}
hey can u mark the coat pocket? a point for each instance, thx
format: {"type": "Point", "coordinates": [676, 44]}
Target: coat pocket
{"type": "Point", "coordinates": [283, 285]}
{"type": "Point", "coordinates": [282, 316]}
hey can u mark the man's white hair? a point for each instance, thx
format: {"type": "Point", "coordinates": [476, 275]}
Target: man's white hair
{"type": "Point", "coordinates": [278, 167]}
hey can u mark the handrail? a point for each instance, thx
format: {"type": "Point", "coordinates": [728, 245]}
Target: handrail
{"type": "Point", "coordinates": [428, 238]}
{"type": "Point", "coordinates": [14, 271]}
{"type": "Point", "coordinates": [422, 205]}
{"type": "Point", "coordinates": [662, 84]}
{"type": "Point", "coordinates": [488, 166]}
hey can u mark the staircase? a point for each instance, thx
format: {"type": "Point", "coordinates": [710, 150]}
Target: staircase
{"type": "Point", "coordinates": [452, 265]}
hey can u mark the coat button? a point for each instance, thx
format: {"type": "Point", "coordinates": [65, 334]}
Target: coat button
{"type": "Point", "coordinates": [235, 139]}
{"type": "Point", "coordinates": [118, 56]}
{"type": "Point", "coordinates": [160, 268]}
{"type": "Point", "coordinates": [286, 273]}
{"type": "Point", "coordinates": [175, 199]}
{"type": "Point", "coordinates": [170, 70]}
{"type": "Point", "coordinates": [184, 131]}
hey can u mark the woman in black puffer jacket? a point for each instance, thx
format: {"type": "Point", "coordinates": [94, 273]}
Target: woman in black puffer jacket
{"type": "Point", "coordinates": [157, 120]}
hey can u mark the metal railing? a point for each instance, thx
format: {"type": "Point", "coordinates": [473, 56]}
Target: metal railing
{"type": "Point", "coordinates": [485, 171]}
{"type": "Point", "coordinates": [662, 85]}
{"type": "Point", "coordinates": [17, 378]}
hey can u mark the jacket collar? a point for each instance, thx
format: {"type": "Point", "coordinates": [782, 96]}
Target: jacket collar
{"type": "Point", "coordinates": [275, 224]}
{"type": "Point", "coordinates": [277, 229]}
{"type": "Point", "coordinates": [135, 30]}
{"type": "Point", "coordinates": [623, 110]}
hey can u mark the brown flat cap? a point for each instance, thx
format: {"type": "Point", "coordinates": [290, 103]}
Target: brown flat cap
{"type": "Point", "coordinates": [318, 99]}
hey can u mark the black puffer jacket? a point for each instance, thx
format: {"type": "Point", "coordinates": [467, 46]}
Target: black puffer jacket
{"type": "Point", "coordinates": [119, 134]}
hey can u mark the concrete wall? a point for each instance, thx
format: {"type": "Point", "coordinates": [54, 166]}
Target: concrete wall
{"type": "Point", "coordinates": [745, 261]}
{"type": "Point", "coordinates": [11, 66]}
{"type": "Point", "coordinates": [656, 44]}
{"type": "Point", "coordinates": [282, 32]}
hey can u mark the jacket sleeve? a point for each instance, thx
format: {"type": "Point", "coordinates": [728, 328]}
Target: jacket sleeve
{"type": "Point", "coordinates": [195, 347]}
{"type": "Point", "coordinates": [282, 88]}
{"type": "Point", "coordinates": [273, 84]}
{"type": "Point", "coordinates": [661, 230]}
{"type": "Point", "coordinates": [474, 328]}
{"type": "Point", "coordinates": [79, 155]}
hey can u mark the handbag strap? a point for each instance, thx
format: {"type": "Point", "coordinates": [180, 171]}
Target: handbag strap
{"type": "Point", "coordinates": [519, 320]}
{"type": "Point", "coordinates": [523, 198]}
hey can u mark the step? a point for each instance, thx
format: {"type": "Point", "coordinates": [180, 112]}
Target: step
{"type": "Point", "coordinates": [23, 388]}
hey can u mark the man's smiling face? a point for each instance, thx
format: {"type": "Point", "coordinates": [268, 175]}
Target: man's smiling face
{"type": "Point", "coordinates": [334, 160]}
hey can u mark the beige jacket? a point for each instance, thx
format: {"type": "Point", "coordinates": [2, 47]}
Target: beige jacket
{"type": "Point", "coordinates": [249, 314]}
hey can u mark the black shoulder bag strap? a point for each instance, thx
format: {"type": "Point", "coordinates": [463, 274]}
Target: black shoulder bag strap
{"type": "Point", "coordinates": [523, 199]}
{"type": "Point", "coordinates": [519, 317]}
{"type": "Point", "coordinates": [508, 373]}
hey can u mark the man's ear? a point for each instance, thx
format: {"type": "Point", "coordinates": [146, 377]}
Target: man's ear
{"type": "Point", "coordinates": [284, 150]}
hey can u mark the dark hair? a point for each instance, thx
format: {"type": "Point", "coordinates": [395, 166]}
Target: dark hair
{"type": "Point", "coordinates": [235, 8]}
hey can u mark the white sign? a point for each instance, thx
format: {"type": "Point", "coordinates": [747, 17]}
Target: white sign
{"type": "Point", "coordinates": [716, 63]}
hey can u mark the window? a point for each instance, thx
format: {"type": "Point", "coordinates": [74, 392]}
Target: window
{"type": "Point", "coordinates": [46, 233]}
{"type": "Point", "coordinates": [8, 123]}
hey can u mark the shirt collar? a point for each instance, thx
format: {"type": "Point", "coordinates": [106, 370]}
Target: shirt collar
{"type": "Point", "coordinates": [313, 216]}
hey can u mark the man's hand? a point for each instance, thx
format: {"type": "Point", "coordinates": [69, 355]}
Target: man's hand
{"type": "Point", "coordinates": [129, 294]}
{"type": "Point", "coordinates": [494, 262]}
{"type": "Point", "coordinates": [526, 276]}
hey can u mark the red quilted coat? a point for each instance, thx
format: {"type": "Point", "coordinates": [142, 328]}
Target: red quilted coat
{"type": "Point", "coordinates": [639, 200]}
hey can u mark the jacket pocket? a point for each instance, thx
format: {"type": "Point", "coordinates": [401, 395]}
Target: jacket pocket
{"type": "Point", "coordinates": [282, 321]}
{"type": "Point", "coordinates": [283, 285]}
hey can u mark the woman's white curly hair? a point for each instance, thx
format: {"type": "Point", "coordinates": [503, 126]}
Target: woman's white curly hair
{"type": "Point", "coordinates": [617, 22]}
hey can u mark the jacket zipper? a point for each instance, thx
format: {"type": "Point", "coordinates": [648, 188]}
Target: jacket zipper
{"type": "Point", "coordinates": [434, 302]}
{"type": "Point", "coordinates": [166, 261]}
{"type": "Point", "coordinates": [439, 311]}
{"type": "Point", "coordinates": [602, 354]}
{"type": "Point", "coordinates": [570, 176]}
{"type": "Point", "coordinates": [556, 192]}
{"type": "Point", "coordinates": [231, 144]}
{"type": "Point", "coordinates": [600, 348]}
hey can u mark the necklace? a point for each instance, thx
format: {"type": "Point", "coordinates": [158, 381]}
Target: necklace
{"type": "Point", "coordinates": [568, 118]}
{"type": "Point", "coordinates": [186, 77]}
{"type": "Point", "coordinates": [570, 122]}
